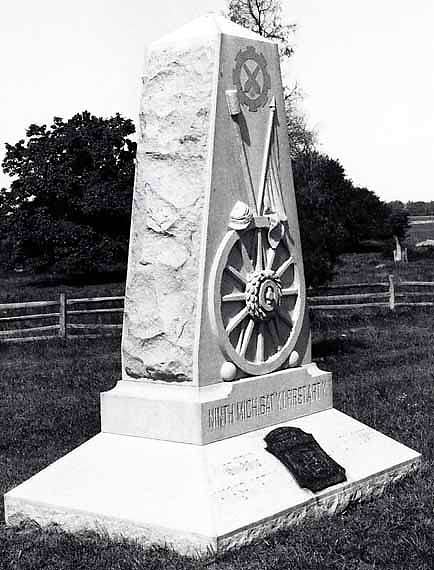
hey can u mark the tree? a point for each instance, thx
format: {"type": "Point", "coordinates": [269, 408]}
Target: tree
{"type": "Point", "coordinates": [399, 222]}
{"type": "Point", "coordinates": [420, 208]}
{"type": "Point", "coordinates": [321, 188]}
{"type": "Point", "coordinates": [334, 216]}
{"type": "Point", "coordinates": [302, 139]}
{"type": "Point", "coordinates": [68, 207]}
{"type": "Point", "coordinates": [265, 18]}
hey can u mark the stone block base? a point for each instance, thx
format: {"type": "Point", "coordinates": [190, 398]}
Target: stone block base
{"type": "Point", "coordinates": [205, 414]}
{"type": "Point", "coordinates": [200, 499]}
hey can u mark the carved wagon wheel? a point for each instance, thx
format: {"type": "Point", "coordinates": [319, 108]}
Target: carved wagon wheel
{"type": "Point", "coordinates": [257, 298]}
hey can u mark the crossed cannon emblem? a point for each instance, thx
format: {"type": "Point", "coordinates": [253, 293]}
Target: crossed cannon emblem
{"type": "Point", "coordinates": [251, 78]}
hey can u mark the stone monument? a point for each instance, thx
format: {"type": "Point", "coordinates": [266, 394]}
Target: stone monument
{"type": "Point", "coordinates": [222, 429]}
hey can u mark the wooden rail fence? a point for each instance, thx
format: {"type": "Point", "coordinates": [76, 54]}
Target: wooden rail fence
{"type": "Point", "coordinates": [393, 293]}
{"type": "Point", "coordinates": [101, 316]}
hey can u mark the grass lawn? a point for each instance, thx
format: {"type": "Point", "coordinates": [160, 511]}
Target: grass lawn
{"type": "Point", "coordinates": [420, 232]}
{"type": "Point", "coordinates": [25, 287]}
{"type": "Point", "coordinates": [383, 369]}
{"type": "Point", "coordinates": [374, 267]}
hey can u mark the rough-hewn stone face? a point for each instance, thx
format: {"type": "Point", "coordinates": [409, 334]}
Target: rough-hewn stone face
{"type": "Point", "coordinates": [171, 180]}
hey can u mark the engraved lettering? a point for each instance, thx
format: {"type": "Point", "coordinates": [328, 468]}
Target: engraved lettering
{"type": "Point", "coordinates": [266, 404]}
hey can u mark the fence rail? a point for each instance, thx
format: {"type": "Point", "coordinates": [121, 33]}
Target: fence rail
{"type": "Point", "coordinates": [101, 316]}
{"type": "Point", "coordinates": [396, 293]}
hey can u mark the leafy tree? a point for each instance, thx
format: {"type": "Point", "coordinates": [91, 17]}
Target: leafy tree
{"type": "Point", "coordinates": [265, 18]}
{"type": "Point", "coordinates": [399, 223]}
{"type": "Point", "coordinates": [321, 186]}
{"type": "Point", "coordinates": [302, 139]}
{"type": "Point", "coordinates": [335, 216]}
{"type": "Point", "coordinates": [68, 207]}
{"type": "Point", "coordinates": [420, 208]}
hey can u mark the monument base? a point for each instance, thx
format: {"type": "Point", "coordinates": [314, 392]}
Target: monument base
{"type": "Point", "coordinates": [202, 499]}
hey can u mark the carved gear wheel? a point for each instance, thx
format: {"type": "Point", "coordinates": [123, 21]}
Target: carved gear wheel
{"type": "Point", "coordinates": [257, 298]}
{"type": "Point", "coordinates": [253, 88]}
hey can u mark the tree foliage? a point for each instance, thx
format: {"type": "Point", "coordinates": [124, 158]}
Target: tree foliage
{"type": "Point", "coordinates": [265, 18]}
{"type": "Point", "coordinates": [302, 139]}
{"type": "Point", "coordinates": [334, 215]}
{"type": "Point", "coordinates": [337, 217]}
{"type": "Point", "coordinates": [69, 204]}
{"type": "Point", "coordinates": [418, 208]}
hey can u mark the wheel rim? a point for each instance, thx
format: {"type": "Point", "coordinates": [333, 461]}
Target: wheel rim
{"type": "Point", "coordinates": [257, 298]}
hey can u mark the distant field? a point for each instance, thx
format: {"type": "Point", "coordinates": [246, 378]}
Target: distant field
{"type": "Point", "coordinates": [420, 232]}
{"type": "Point", "coordinates": [374, 267]}
{"type": "Point", "coordinates": [24, 287]}
{"type": "Point", "coordinates": [420, 219]}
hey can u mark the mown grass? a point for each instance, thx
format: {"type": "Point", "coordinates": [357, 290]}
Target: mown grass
{"type": "Point", "coordinates": [25, 287]}
{"type": "Point", "coordinates": [420, 232]}
{"type": "Point", "coordinates": [376, 268]}
{"type": "Point", "coordinates": [383, 368]}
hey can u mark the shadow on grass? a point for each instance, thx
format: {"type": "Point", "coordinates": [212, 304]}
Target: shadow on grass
{"type": "Point", "coordinates": [79, 279]}
{"type": "Point", "coordinates": [337, 345]}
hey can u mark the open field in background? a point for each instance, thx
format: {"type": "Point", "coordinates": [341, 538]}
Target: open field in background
{"type": "Point", "coordinates": [25, 287]}
{"type": "Point", "coordinates": [421, 231]}
{"type": "Point", "coordinates": [383, 370]}
{"type": "Point", "coordinates": [374, 267]}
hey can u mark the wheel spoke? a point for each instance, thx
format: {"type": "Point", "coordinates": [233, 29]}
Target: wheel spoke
{"type": "Point", "coordinates": [247, 337]}
{"type": "Point", "coordinates": [271, 254]}
{"type": "Point", "coordinates": [236, 320]}
{"type": "Point", "coordinates": [236, 274]}
{"type": "Point", "coordinates": [274, 333]}
{"type": "Point", "coordinates": [260, 344]}
{"type": "Point", "coordinates": [247, 262]}
{"type": "Point", "coordinates": [287, 263]}
{"type": "Point", "coordinates": [240, 340]}
{"type": "Point", "coordinates": [284, 316]}
{"type": "Point", "coordinates": [234, 297]}
{"type": "Point", "coordinates": [259, 253]}
{"type": "Point", "coordinates": [289, 291]}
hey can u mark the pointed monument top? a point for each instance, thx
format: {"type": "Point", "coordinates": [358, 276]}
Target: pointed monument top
{"type": "Point", "coordinates": [210, 25]}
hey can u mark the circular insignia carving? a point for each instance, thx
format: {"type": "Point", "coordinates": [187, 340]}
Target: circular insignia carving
{"type": "Point", "coordinates": [251, 78]}
{"type": "Point", "coordinates": [263, 292]}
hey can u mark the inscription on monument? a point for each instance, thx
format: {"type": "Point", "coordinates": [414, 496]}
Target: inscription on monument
{"type": "Point", "coordinates": [266, 404]}
{"type": "Point", "coordinates": [241, 477]}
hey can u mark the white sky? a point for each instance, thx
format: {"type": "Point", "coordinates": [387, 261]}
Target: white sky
{"type": "Point", "coordinates": [366, 68]}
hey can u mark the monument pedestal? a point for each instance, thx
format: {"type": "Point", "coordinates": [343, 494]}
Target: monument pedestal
{"type": "Point", "coordinates": [200, 499]}
{"type": "Point", "coordinates": [199, 415]}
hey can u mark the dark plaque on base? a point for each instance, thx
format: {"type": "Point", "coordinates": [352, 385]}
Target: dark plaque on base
{"type": "Point", "coordinates": [311, 466]}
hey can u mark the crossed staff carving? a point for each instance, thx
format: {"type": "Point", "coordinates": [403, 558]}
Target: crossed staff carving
{"type": "Point", "coordinates": [269, 179]}
{"type": "Point", "coordinates": [252, 83]}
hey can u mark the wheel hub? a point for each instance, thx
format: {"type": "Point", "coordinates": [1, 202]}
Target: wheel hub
{"type": "Point", "coordinates": [263, 292]}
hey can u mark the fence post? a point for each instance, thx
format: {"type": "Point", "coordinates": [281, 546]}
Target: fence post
{"type": "Point", "coordinates": [391, 293]}
{"type": "Point", "coordinates": [62, 315]}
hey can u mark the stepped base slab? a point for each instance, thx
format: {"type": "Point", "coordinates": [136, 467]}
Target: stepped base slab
{"type": "Point", "coordinates": [204, 498]}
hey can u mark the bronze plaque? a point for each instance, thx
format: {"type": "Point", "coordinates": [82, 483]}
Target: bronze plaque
{"type": "Point", "coordinates": [311, 466]}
